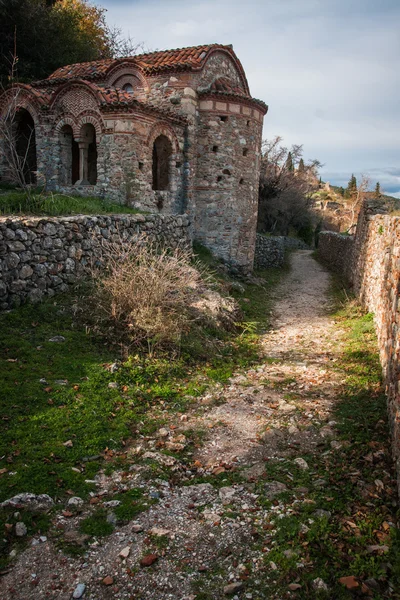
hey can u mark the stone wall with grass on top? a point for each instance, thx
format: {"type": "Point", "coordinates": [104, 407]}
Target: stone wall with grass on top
{"type": "Point", "coordinates": [270, 250]}
{"type": "Point", "coordinates": [371, 263]}
{"type": "Point", "coordinates": [42, 256]}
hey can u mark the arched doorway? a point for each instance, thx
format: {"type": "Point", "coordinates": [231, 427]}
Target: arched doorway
{"type": "Point", "coordinates": [25, 145]}
{"type": "Point", "coordinates": [162, 152]}
{"type": "Point", "coordinates": [69, 156]}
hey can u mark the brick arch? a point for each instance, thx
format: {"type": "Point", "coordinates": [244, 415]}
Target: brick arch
{"type": "Point", "coordinates": [125, 72]}
{"type": "Point", "coordinates": [163, 129]}
{"type": "Point", "coordinates": [91, 118]}
{"type": "Point", "coordinates": [67, 120]}
{"type": "Point", "coordinates": [26, 101]}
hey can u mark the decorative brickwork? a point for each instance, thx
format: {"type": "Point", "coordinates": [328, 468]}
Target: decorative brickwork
{"type": "Point", "coordinates": [98, 128]}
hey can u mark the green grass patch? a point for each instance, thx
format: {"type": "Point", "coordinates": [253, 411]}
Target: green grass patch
{"type": "Point", "coordinates": [15, 202]}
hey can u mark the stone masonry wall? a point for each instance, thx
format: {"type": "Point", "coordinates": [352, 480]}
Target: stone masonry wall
{"type": "Point", "coordinates": [373, 267]}
{"type": "Point", "coordinates": [336, 251]}
{"type": "Point", "coordinates": [40, 257]}
{"type": "Point", "coordinates": [270, 250]}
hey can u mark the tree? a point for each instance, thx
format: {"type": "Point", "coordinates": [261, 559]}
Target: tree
{"type": "Point", "coordinates": [358, 194]}
{"type": "Point", "coordinates": [301, 168]}
{"type": "Point", "coordinates": [289, 162]}
{"type": "Point", "coordinates": [351, 189]}
{"type": "Point", "coordinates": [54, 33]}
{"type": "Point", "coordinates": [284, 202]}
{"type": "Point", "coordinates": [378, 190]}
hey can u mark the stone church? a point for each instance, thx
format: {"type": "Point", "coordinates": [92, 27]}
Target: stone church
{"type": "Point", "coordinates": [174, 132]}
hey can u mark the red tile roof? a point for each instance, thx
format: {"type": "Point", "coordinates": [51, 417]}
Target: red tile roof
{"type": "Point", "coordinates": [181, 59]}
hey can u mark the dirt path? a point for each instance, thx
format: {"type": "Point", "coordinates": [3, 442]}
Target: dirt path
{"type": "Point", "coordinates": [203, 534]}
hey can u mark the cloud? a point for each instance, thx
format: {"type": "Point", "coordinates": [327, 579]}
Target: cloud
{"type": "Point", "coordinates": [328, 70]}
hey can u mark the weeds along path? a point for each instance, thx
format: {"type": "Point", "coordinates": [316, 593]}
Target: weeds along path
{"type": "Point", "coordinates": [289, 492]}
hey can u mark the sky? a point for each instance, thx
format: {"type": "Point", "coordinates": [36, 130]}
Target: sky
{"type": "Point", "coordinates": [328, 69]}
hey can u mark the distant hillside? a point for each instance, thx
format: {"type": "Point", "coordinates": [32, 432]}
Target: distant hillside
{"type": "Point", "coordinates": [334, 210]}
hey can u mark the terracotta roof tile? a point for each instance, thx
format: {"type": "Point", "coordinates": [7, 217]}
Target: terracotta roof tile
{"type": "Point", "coordinates": [191, 58]}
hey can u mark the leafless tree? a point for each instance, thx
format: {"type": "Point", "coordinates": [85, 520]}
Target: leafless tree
{"type": "Point", "coordinates": [120, 46]}
{"type": "Point", "coordinates": [16, 144]}
{"type": "Point", "coordinates": [284, 191]}
{"type": "Point", "coordinates": [354, 203]}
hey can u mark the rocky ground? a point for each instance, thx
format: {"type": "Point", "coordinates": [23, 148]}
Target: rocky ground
{"type": "Point", "coordinates": [214, 484]}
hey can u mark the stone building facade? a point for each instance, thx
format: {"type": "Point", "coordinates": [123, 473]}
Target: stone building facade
{"type": "Point", "coordinates": [169, 132]}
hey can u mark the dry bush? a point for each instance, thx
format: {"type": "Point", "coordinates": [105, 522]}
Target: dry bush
{"type": "Point", "coordinates": [147, 295]}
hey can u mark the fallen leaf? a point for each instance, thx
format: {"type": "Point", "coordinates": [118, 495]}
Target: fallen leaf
{"type": "Point", "coordinates": [350, 582]}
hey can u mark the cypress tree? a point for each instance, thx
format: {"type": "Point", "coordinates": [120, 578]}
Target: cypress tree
{"type": "Point", "coordinates": [302, 167]}
{"type": "Point", "coordinates": [378, 190]}
{"type": "Point", "coordinates": [289, 162]}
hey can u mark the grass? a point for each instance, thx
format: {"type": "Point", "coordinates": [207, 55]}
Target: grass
{"type": "Point", "coordinates": [15, 202]}
{"type": "Point", "coordinates": [62, 421]}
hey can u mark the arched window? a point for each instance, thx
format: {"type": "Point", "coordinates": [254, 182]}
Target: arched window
{"type": "Point", "coordinates": [25, 145]}
{"type": "Point", "coordinates": [69, 157]}
{"type": "Point", "coordinates": [128, 87]}
{"type": "Point", "coordinates": [162, 151]}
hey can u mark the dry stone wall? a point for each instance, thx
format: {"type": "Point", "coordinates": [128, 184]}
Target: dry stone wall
{"type": "Point", "coordinates": [270, 250]}
{"type": "Point", "coordinates": [336, 251]}
{"type": "Point", "coordinates": [372, 265]}
{"type": "Point", "coordinates": [40, 257]}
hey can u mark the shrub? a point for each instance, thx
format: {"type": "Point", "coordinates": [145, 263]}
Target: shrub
{"type": "Point", "coordinates": [152, 296]}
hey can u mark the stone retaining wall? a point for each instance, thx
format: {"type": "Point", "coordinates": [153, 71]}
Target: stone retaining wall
{"type": "Point", "coordinates": [336, 251]}
{"type": "Point", "coordinates": [270, 250]}
{"type": "Point", "coordinates": [372, 265]}
{"type": "Point", "coordinates": [40, 257]}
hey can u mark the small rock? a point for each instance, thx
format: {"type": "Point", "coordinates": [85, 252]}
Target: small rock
{"type": "Point", "coordinates": [159, 531]}
{"type": "Point", "coordinates": [226, 494]}
{"type": "Point", "coordinates": [125, 552]}
{"type": "Point", "coordinates": [112, 503]}
{"type": "Point", "coordinates": [163, 432]}
{"type": "Point", "coordinates": [273, 488]}
{"type": "Point", "coordinates": [301, 463]}
{"type": "Point", "coordinates": [254, 472]}
{"type": "Point", "coordinates": [114, 367]}
{"type": "Point", "coordinates": [174, 447]}
{"type": "Point", "coordinates": [75, 502]}
{"type": "Point", "coordinates": [136, 528]}
{"type": "Point", "coordinates": [39, 502]}
{"type": "Point", "coordinates": [335, 445]}
{"type": "Point", "coordinates": [57, 339]}
{"type": "Point", "coordinates": [112, 518]}
{"type": "Point", "coordinates": [289, 553]}
{"type": "Point", "coordinates": [20, 529]}
{"type": "Point", "coordinates": [294, 586]}
{"type": "Point", "coordinates": [319, 585]}
{"type": "Point", "coordinates": [68, 444]}
{"type": "Point", "coordinates": [79, 590]}
{"type": "Point", "coordinates": [232, 588]}
{"type": "Point", "coordinates": [321, 513]}
{"type": "Point", "coordinates": [163, 459]}
{"type": "Point", "coordinates": [148, 560]}
{"type": "Point", "coordinates": [113, 385]}
{"type": "Point", "coordinates": [108, 580]}
{"type": "Point", "coordinates": [292, 430]}
{"type": "Point", "coordinates": [76, 538]}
